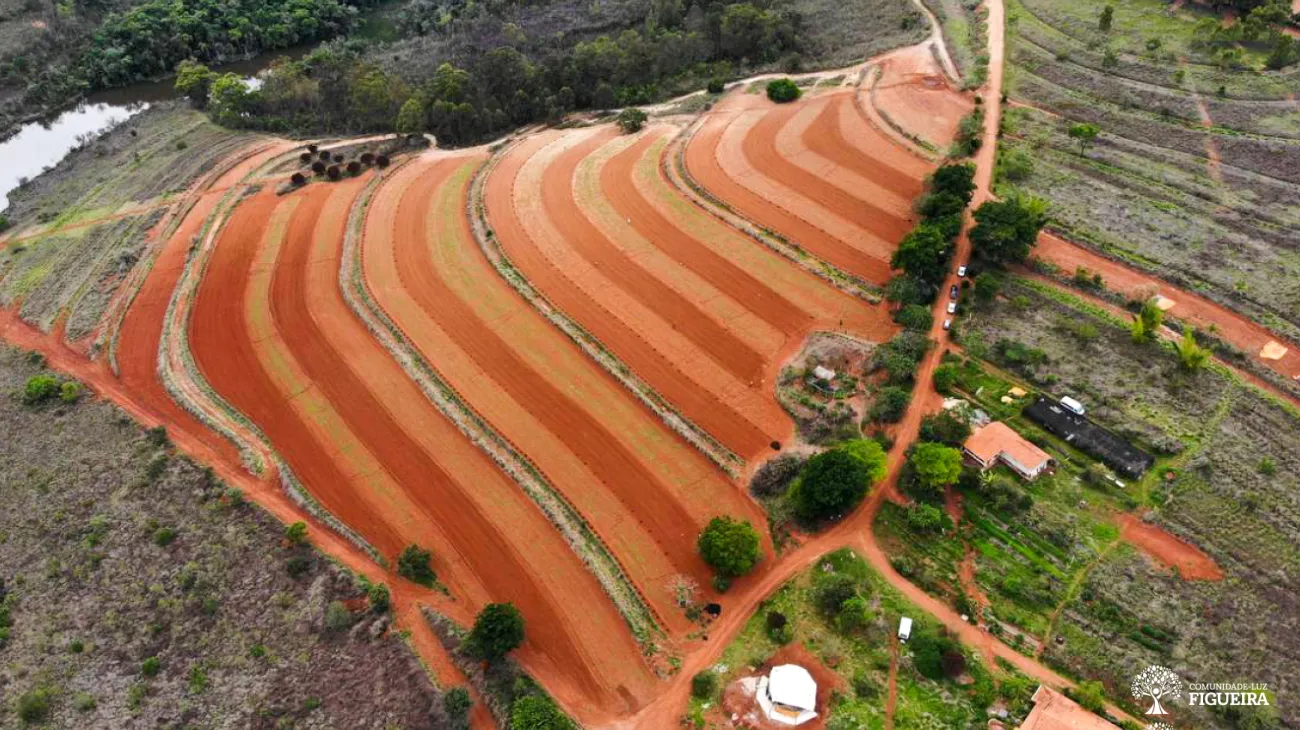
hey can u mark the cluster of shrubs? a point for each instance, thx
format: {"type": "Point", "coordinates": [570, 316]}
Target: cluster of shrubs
{"type": "Point", "coordinates": [45, 388]}
{"type": "Point", "coordinates": [331, 166]}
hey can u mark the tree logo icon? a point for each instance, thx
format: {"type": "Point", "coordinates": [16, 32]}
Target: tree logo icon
{"type": "Point", "coordinates": [1158, 683]}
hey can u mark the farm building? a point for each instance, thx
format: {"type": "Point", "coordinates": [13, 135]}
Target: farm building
{"type": "Point", "coordinates": [1054, 711]}
{"type": "Point", "coordinates": [997, 442]}
{"type": "Point", "coordinates": [1115, 452]}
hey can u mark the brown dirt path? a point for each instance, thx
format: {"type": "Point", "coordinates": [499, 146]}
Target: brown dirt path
{"type": "Point", "coordinates": [505, 543]}
{"type": "Point", "coordinates": [1196, 310]}
{"type": "Point", "coordinates": [523, 243]}
{"type": "Point", "coordinates": [731, 184]}
{"type": "Point", "coordinates": [428, 273]}
{"type": "Point", "coordinates": [1192, 563]}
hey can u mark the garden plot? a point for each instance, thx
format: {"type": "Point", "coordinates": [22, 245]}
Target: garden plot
{"type": "Point", "coordinates": [850, 645]}
{"type": "Point", "coordinates": [1226, 485]}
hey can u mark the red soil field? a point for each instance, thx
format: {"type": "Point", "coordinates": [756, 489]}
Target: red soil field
{"type": "Point", "coordinates": [612, 459]}
{"type": "Point", "coordinates": [492, 544]}
{"type": "Point", "coordinates": [1168, 550]}
{"type": "Point", "coordinates": [591, 190]}
{"type": "Point", "coordinates": [915, 93]}
{"type": "Point", "coordinates": [833, 184]}
{"type": "Point", "coordinates": [669, 377]}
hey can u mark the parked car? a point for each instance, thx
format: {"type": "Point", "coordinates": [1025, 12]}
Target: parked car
{"type": "Point", "coordinates": [947, 324]}
{"type": "Point", "coordinates": [961, 270]}
{"type": "Point", "coordinates": [952, 292]}
{"type": "Point", "coordinates": [952, 307]}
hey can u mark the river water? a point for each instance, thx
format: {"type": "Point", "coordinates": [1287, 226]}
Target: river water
{"type": "Point", "coordinates": [39, 145]}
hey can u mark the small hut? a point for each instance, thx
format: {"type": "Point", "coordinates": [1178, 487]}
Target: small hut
{"type": "Point", "coordinates": [788, 695]}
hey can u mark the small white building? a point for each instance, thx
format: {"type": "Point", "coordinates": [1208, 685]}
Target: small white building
{"type": "Point", "coordinates": [904, 629]}
{"type": "Point", "coordinates": [823, 373]}
{"type": "Point", "coordinates": [788, 695]}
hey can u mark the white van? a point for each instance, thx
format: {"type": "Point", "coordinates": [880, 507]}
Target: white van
{"type": "Point", "coordinates": [904, 629]}
{"type": "Point", "coordinates": [1072, 404]}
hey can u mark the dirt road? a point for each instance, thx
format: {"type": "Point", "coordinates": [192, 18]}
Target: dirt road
{"type": "Point", "coordinates": [1194, 309]}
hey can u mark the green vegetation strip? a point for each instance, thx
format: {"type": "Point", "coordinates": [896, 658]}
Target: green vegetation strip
{"type": "Point", "coordinates": [727, 460]}
{"type": "Point", "coordinates": [213, 410]}
{"type": "Point", "coordinates": [582, 539]}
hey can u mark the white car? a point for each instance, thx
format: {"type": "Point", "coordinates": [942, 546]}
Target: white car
{"type": "Point", "coordinates": [952, 307]}
{"type": "Point", "coordinates": [961, 270]}
{"type": "Point", "coordinates": [947, 324]}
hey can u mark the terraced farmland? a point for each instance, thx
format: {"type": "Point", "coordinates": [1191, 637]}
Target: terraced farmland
{"type": "Point", "coordinates": [549, 362]}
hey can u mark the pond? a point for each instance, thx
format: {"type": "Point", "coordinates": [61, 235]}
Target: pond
{"type": "Point", "coordinates": [41, 144]}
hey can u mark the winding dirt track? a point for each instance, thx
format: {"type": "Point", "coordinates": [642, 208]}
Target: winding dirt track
{"type": "Point", "coordinates": [491, 543]}
{"type": "Point", "coordinates": [645, 490]}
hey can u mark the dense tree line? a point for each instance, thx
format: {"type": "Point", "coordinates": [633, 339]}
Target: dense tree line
{"type": "Point", "coordinates": [149, 40]}
{"type": "Point", "coordinates": [338, 89]}
{"type": "Point", "coordinates": [923, 254]}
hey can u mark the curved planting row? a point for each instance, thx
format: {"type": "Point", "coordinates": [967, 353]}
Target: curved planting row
{"type": "Point", "coordinates": [816, 171]}
{"type": "Point", "coordinates": [640, 616]}
{"type": "Point", "coordinates": [699, 310]}
{"type": "Point", "coordinates": [273, 335]}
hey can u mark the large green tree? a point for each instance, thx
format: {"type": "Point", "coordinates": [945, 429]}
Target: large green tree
{"type": "Point", "coordinates": [834, 482]}
{"type": "Point", "coordinates": [730, 547]}
{"type": "Point", "coordinates": [1006, 230]}
{"type": "Point", "coordinates": [933, 467]}
{"type": "Point", "coordinates": [498, 630]}
{"type": "Point", "coordinates": [923, 254]}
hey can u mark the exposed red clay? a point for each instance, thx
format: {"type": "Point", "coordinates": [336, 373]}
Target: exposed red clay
{"type": "Point", "coordinates": [702, 407]}
{"type": "Point", "coordinates": [529, 565]}
{"type": "Point", "coordinates": [405, 257]}
{"type": "Point", "coordinates": [1168, 550]}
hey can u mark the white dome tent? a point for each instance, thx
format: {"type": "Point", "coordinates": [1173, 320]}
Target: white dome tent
{"type": "Point", "coordinates": [788, 695]}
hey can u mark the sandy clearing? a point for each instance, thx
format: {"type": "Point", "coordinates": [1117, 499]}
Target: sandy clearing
{"type": "Point", "coordinates": [673, 373]}
{"type": "Point", "coordinates": [914, 92]}
{"type": "Point", "coordinates": [504, 541]}
{"type": "Point", "coordinates": [715, 160]}
{"type": "Point", "coordinates": [615, 463]}
{"type": "Point", "coordinates": [1168, 550]}
{"type": "Point", "coordinates": [592, 197]}
{"type": "Point", "coordinates": [818, 304]}
{"type": "Point", "coordinates": [873, 199]}
{"type": "Point", "coordinates": [585, 239]}
{"type": "Point", "coordinates": [1235, 328]}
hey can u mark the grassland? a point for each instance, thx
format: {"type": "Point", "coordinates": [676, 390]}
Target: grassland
{"type": "Point", "coordinates": [1225, 481]}
{"type": "Point", "coordinates": [1195, 175]}
{"type": "Point", "coordinates": [117, 551]}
